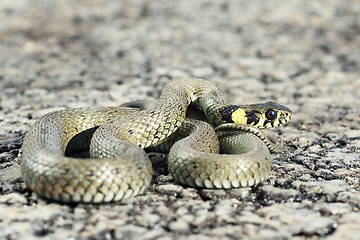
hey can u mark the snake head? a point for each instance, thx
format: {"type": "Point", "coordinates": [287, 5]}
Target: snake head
{"type": "Point", "coordinates": [262, 115]}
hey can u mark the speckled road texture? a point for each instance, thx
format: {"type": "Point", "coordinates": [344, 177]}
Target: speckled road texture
{"type": "Point", "coordinates": [303, 54]}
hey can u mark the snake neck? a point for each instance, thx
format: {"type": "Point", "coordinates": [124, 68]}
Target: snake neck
{"type": "Point", "coordinates": [195, 91]}
{"type": "Point", "coordinates": [214, 108]}
{"type": "Point", "coordinates": [218, 114]}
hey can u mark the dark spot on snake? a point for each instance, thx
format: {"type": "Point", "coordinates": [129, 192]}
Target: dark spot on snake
{"type": "Point", "coordinates": [252, 118]}
{"type": "Point", "coordinates": [226, 112]}
{"type": "Point", "coordinates": [217, 166]}
{"type": "Point", "coordinates": [268, 121]}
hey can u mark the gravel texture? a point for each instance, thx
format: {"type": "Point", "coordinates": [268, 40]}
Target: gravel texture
{"type": "Point", "coordinates": [303, 54]}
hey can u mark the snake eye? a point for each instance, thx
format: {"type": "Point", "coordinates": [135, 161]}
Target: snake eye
{"type": "Point", "coordinates": [270, 114]}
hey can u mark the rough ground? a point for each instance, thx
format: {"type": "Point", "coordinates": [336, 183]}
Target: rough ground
{"type": "Point", "coordinates": [303, 54]}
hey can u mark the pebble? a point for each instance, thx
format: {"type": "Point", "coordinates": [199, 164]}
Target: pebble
{"type": "Point", "coordinates": [6, 157]}
{"type": "Point", "coordinates": [180, 225]}
{"type": "Point", "coordinates": [171, 189]}
{"type": "Point", "coordinates": [278, 194]}
{"type": "Point", "coordinates": [320, 226]}
{"type": "Point", "coordinates": [303, 141]}
{"type": "Point", "coordinates": [334, 208]}
{"type": "Point", "coordinates": [315, 148]}
{"type": "Point", "coordinates": [13, 198]}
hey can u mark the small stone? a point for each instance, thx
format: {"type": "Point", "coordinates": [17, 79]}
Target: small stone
{"type": "Point", "coordinates": [315, 148]}
{"type": "Point", "coordinates": [334, 208]}
{"type": "Point", "coordinates": [278, 194]}
{"type": "Point", "coordinates": [317, 226]}
{"type": "Point", "coordinates": [181, 211]}
{"type": "Point", "coordinates": [6, 157]}
{"type": "Point", "coordinates": [214, 194]}
{"type": "Point", "coordinates": [10, 174]}
{"type": "Point", "coordinates": [148, 220]}
{"type": "Point", "coordinates": [303, 140]}
{"type": "Point", "coordinates": [130, 231]}
{"type": "Point", "coordinates": [170, 189]}
{"type": "Point", "coordinates": [179, 226]}
{"type": "Point", "coordinates": [13, 198]}
{"type": "Point", "coordinates": [329, 188]}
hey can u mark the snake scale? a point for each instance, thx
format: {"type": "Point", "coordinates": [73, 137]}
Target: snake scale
{"type": "Point", "coordinates": [117, 136]}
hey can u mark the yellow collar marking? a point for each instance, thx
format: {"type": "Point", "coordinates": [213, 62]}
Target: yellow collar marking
{"type": "Point", "coordinates": [239, 116]}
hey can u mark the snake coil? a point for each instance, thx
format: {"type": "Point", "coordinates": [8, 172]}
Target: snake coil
{"type": "Point", "coordinates": [119, 167]}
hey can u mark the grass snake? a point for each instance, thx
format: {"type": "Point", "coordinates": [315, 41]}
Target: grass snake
{"type": "Point", "coordinates": [117, 136]}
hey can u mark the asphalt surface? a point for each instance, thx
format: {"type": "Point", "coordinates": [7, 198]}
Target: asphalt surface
{"type": "Point", "coordinates": [302, 54]}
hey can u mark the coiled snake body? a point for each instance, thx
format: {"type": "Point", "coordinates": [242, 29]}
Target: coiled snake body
{"type": "Point", "coordinates": [119, 167]}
